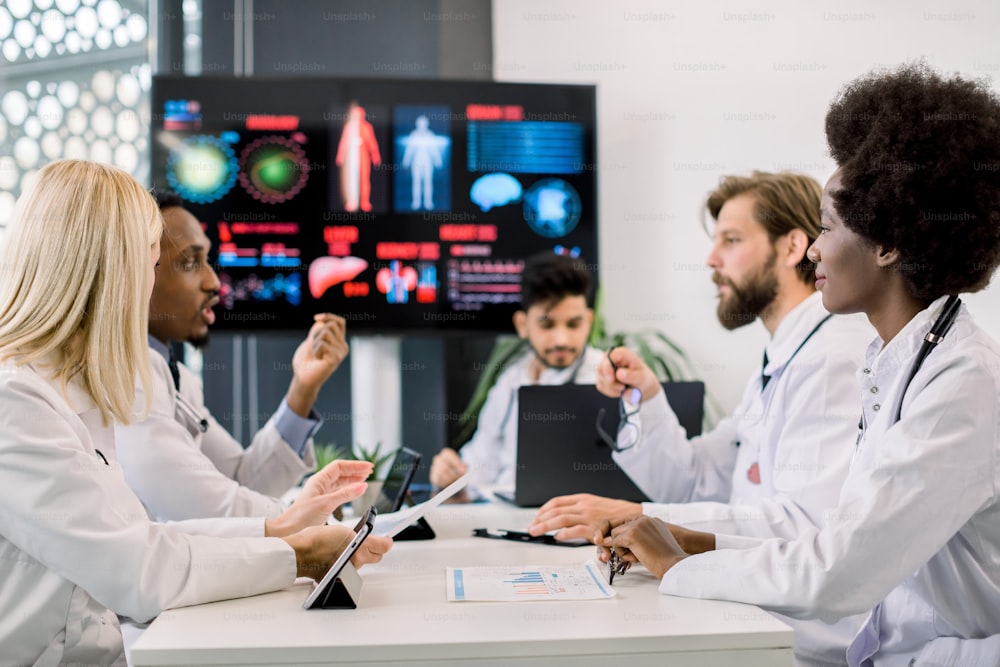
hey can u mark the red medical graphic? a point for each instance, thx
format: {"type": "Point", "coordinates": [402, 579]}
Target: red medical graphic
{"type": "Point", "coordinates": [326, 272]}
{"type": "Point", "coordinates": [356, 153]}
{"type": "Point", "coordinates": [384, 277]}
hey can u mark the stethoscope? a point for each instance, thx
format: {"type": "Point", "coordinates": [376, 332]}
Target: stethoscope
{"type": "Point", "coordinates": [191, 413]}
{"type": "Point", "coordinates": [933, 337]}
{"type": "Point", "coordinates": [931, 340]}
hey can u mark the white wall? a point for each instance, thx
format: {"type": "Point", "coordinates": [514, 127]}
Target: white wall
{"type": "Point", "coordinates": [690, 91]}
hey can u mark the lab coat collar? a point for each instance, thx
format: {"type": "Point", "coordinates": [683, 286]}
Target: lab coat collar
{"type": "Point", "coordinates": [73, 392]}
{"type": "Point", "coordinates": [792, 330]}
{"type": "Point", "coordinates": [907, 342]}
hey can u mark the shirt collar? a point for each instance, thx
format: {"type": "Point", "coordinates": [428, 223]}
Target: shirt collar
{"type": "Point", "coordinates": [162, 348]}
{"type": "Point", "coordinates": [907, 342]}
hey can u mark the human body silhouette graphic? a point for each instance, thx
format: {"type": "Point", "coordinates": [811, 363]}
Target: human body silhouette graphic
{"type": "Point", "coordinates": [422, 155]}
{"type": "Point", "coordinates": [356, 153]}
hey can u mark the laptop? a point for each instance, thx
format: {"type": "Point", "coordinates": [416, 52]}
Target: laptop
{"type": "Point", "coordinates": [559, 451]}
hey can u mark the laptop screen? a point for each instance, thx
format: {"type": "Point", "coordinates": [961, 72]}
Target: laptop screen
{"type": "Point", "coordinates": [559, 450]}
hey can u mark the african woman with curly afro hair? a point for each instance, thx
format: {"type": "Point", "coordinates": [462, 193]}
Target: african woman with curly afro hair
{"type": "Point", "coordinates": [910, 219]}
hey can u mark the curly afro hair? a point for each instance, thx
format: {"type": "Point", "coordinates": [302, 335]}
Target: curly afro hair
{"type": "Point", "coordinates": [920, 166]}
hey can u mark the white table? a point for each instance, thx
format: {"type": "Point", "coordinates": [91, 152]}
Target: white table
{"type": "Point", "coordinates": [404, 617]}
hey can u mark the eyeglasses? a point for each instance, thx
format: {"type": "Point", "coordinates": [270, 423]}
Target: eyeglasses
{"type": "Point", "coordinates": [628, 420]}
{"type": "Point", "coordinates": [628, 427]}
{"type": "Point", "coordinates": [616, 565]}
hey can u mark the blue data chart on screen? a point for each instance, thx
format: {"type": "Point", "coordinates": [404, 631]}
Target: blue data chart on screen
{"type": "Point", "coordinates": [526, 147]}
{"type": "Point", "coordinates": [263, 290]}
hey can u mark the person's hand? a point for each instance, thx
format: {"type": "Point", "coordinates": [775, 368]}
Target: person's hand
{"type": "Point", "coordinates": [632, 372]}
{"type": "Point", "coordinates": [318, 547]}
{"type": "Point", "coordinates": [337, 483]}
{"type": "Point", "coordinates": [579, 515]}
{"type": "Point", "coordinates": [640, 539]}
{"type": "Point", "coordinates": [315, 360]}
{"type": "Point", "coordinates": [446, 467]}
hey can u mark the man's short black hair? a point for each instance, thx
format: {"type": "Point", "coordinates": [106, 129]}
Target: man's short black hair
{"type": "Point", "coordinates": [167, 199]}
{"type": "Point", "coordinates": [920, 169]}
{"type": "Point", "coordinates": [548, 278]}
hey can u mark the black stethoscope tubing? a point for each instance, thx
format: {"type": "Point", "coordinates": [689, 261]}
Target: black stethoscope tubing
{"type": "Point", "coordinates": [931, 340]}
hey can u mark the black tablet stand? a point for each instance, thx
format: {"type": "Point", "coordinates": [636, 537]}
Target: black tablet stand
{"type": "Point", "coordinates": [418, 530]}
{"type": "Point", "coordinates": [344, 592]}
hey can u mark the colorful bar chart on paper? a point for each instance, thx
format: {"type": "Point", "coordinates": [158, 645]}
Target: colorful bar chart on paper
{"type": "Point", "coordinates": [511, 584]}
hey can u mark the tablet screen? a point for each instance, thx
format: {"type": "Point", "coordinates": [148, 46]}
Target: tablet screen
{"type": "Point", "coordinates": [321, 592]}
{"type": "Point", "coordinates": [401, 472]}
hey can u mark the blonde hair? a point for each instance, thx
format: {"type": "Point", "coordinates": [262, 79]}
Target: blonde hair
{"type": "Point", "coordinates": [74, 282]}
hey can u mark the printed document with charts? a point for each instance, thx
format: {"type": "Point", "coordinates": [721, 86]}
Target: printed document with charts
{"type": "Point", "coordinates": [510, 583]}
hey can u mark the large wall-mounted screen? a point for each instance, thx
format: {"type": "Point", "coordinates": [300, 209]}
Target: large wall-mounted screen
{"type": "Point", "coordinates": [401, 205]}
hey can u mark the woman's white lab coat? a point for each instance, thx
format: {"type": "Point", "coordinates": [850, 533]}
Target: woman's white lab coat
{"type": "Point", "coordinates": [915, 537]}
{"type": "Point", "coordinates": [76, 546]}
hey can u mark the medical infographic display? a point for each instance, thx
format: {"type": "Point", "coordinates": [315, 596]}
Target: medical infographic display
{"type": "Point", "coordinates": [402, 205]}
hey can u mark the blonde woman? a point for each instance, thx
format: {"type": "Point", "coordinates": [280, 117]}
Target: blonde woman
{"type": "Point", "coordinates": [76, 547]}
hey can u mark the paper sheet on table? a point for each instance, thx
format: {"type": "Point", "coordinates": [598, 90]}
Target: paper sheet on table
{"type": "Point", "coordinates": [510, 583]}
{"type": "Point", "coordinates": [393, 523]}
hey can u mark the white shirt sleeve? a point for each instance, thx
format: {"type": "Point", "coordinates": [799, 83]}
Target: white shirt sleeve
{"type": "Point", "coordinates": [221, 527]}
{"type": "Point", "coordinates": [270, 465]}
{"type": "Point", "coordinates": [73, 513]}
{"type": "Point", "coordinates": [175, 479]}
{"type": "Point", "coordinates": [957, 652]}
{"type": "Point", "coordinates": [812, 434]}
{"type": "Point", "coordinates": [670, 468]}
{"type": "Point", "coordinates": [923, 479]}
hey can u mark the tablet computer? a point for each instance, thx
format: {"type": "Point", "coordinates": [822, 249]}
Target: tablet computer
{"type": "Point", "coordinates": [324, 589]}
{"type": "Point", "coordinates": [393, 524]}
{"type": "Point", "coordinates": [397, 482]}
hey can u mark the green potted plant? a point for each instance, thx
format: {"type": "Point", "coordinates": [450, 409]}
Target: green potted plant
{"type": "Point", "coordinates": [329, 452]}
{"type": "Point", "coordinates": [378, 459]}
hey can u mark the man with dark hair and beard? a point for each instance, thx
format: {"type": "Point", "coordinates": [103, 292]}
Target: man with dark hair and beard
{"type": "Point", "coordinates": [554, 320]}
{"type": "Point", "coordinates": [775, 466]}
{"type": "Point", "coordinates": [177, 459]}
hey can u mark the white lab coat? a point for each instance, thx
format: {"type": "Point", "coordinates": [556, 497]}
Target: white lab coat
{"type": "Point", "coordinates": [915, 536]}
{"type": "Point", "coordinates": [179, 472]}
{"type": "Point", "coordinates": [799, 432]}
{"type": "Point", "coordinates": [76, 545]}
{"type": "Point", "coordinates": [491, 453]}
{"type": "Point", "coordinates": [955, 652]}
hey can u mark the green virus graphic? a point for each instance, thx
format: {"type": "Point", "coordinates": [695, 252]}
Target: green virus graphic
{"type": "Point", "coordinates": [273, 169]}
